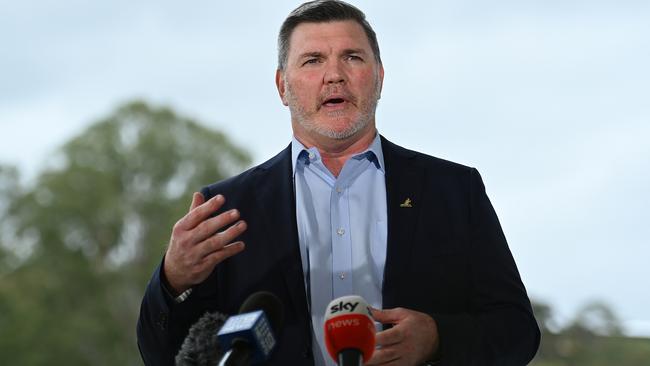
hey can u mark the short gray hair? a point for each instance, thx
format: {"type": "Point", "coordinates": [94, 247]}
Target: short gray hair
{"type": "Point", "coordinates": [321, 11]}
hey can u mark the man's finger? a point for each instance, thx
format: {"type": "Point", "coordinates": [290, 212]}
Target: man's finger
{"type": "Point", "coordinates": [383, 356]}
{"type": "Point", "coordinates": [388, 316]}
{"type": "Point", "coordinates": [197, 200]}
{"type": "Point", "coordinates": [201, 212]}
{"type": "Point", "coordinates": [219, 241]}
{"type": "Point", "coordinates": [210, 226]}
{"type": "Point", "coordinates": [389, 337]}
{"type": "Point", "coordinates": [226, 252]}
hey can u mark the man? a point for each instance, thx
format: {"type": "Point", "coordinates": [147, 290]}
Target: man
{"type": "Point", "coordinates": [344, 211]}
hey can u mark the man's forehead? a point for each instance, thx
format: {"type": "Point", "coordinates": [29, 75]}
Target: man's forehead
{"type": "Point", "coordinates": [346, 33]}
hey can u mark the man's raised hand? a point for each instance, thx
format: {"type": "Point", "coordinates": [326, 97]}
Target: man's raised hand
{"type": "Point", "coordinates": [199, 243]}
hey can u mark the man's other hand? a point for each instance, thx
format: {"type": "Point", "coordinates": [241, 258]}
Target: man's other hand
{"type": "Point", "coordinates": [412, 340]}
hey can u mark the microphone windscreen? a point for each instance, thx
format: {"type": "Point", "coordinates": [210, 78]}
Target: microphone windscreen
{"type": "Point", "coordinates": [269, 304]}
{"type": "Point", "coordinates": [349, 325]}
{"type": "Point", "coordinates": [201, 346]}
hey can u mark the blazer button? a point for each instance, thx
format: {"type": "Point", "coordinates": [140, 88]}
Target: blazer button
{"type": "Point", "coordinates": [306, 353]}
{"type": "Point", "coordinates": [162, 321]}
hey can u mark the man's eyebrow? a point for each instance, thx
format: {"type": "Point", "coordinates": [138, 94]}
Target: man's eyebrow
{"type": "Point", "coordinates": [349, 51]}
{"type": "Point", "coordinates": [311, 54]}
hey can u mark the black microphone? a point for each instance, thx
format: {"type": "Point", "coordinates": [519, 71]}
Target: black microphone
{"type": "Point", "coordinates": [201, 346]}
{"type": "Point", "coordinates": [252, 334]}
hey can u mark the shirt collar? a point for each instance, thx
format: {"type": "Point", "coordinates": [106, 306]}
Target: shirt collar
{"type": "Point", "coordinates": [372, 153]}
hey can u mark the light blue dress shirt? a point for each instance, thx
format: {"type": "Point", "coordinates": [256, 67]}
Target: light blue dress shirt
{"type": "Point", "coordinates": [342, 230]}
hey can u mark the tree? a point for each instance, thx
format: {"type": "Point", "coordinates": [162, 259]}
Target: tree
{"type": "Point", "coordinates": [597, 318]}
{"type": "Point", "coordinates": [94, 227]}
{"type": "Point", "coordinates": [594, 337]}
{"type": "Point", "coordinates": [9, 189]}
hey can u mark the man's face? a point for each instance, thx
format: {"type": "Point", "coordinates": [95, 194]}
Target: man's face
{"type": "Point", "coordinates": [331, 81]}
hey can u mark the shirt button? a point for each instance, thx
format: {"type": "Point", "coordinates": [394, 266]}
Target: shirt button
{"type": "Point", "coordinates": [342, 275]}
{"type": "Point", "coordinates": [312, 156]}
{"type": "Point", "coordinates": [340, 231]}
{"type": "Point", "coordinates": [339, 189]}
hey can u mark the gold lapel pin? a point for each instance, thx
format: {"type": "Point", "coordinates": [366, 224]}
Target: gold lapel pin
{"type": "Point", "coordinates": [407, 203]}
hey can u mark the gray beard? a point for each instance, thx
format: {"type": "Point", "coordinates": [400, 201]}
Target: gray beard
{"type": "Point", "coordinates": [299, 114]}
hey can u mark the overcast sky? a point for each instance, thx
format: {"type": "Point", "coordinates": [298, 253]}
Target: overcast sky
{"type": "Point", "coordinates": [550, 100]}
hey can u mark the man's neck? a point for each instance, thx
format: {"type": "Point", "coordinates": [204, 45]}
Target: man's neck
{"type": "Point", "coordinates": [336, 152]}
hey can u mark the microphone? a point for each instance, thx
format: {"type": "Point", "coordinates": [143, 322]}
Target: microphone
{"type": "Point", "coordinates": [349, 331]}
{"type": "Point", "coordinates": [201, 346]}
{"type": "Point", "coordinates": [250, 336]}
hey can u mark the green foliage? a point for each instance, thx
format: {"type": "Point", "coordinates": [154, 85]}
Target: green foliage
{"type": "Point", "coordinates": [88, 235]}
{"type": "Point", "coordinates": [9, 189]}
{"type": "Point", "coordinates": [593, 338]}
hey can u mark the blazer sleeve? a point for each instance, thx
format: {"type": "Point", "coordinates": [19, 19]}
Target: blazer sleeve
{"type": "Point", "coordinates": [163, 324]}
{"type": "Point", "coordinates": [499, 328]}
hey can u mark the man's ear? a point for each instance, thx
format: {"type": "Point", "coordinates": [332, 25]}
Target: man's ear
{"type": "Point", "coordinates": [381, 79]}
{"type": "Point", "coordinates": [279, 83]}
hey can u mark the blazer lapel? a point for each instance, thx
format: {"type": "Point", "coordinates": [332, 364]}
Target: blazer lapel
{"type": "Point", "coordinates": [403, 197]}
{"type": "Point", "coordinates": [276, 203]}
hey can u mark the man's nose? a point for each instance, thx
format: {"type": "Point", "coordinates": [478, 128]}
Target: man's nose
{"type": "Point", "coordinates": [334, 74]}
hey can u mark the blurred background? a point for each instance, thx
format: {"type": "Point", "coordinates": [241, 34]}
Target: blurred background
{"type": "Point", "coordinates": [113, 113]}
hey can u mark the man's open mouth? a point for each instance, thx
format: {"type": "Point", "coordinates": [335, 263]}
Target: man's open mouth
{"type": "Point", "coordinates": [333, 102]}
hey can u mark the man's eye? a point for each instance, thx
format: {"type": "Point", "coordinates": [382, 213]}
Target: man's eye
{"type": "Point", "coordinates": [311, 61]}
{"type": "Point", "coordinates": [353, 58]}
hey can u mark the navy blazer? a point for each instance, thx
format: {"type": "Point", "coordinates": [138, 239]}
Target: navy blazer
{"type": "Point", "coordinates": [446, 256]}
